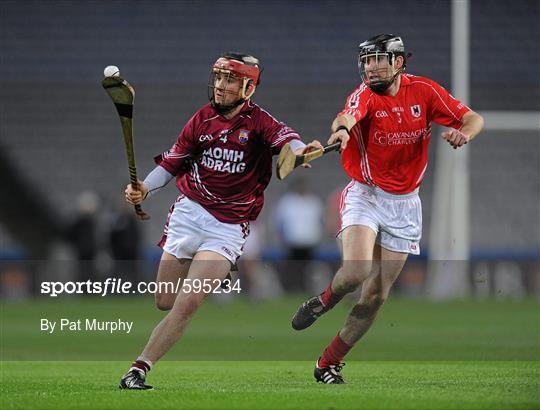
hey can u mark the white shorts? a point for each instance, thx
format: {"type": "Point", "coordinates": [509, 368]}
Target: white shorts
{"type": "Point", "coordinates": [190, 229]}
{"type": "Point", "coordinates": [396, 219]}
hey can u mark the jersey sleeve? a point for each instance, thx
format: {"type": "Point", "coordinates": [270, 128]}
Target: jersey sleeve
{"type": "Point", "coordinates": [356, 104]}
{"type": "Point", "coordinates": [445, 109]}
{"type": "Point", "coordinates": [275, 133]}
{"type": "Point", "coordinates": [174, 159]}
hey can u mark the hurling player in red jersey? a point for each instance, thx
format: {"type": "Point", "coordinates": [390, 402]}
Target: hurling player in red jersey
{"type": "Point", "coordinates": [222, 161]}
{"type": "Point", "coordinates": [384, 129]}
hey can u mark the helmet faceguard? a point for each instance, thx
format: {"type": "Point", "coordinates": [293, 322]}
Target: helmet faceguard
{"type": "Point", "coordinates": [229, 68]}
{"type": "Point", "coordinates": [376, 61]}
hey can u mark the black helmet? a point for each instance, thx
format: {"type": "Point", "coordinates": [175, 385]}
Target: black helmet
{"type": "Point", "coordinates": [383, 43]}
{"type": "Point", "coordinates": [388, 46]}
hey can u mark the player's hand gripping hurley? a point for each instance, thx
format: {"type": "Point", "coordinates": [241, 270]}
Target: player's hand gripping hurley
{"type": "Point", "coordinates": [123, 95]}
{"type": "Point", "coordinates": [288, 160]}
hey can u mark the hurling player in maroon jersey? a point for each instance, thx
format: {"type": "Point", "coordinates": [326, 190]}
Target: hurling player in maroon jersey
{"type": "Point", "coordinates": [222, 162]}
{"type": "Point", "coordinates": [384, 129]}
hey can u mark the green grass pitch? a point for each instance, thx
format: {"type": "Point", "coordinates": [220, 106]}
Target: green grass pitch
{"type": "Point", "coordinates": [419, 354]}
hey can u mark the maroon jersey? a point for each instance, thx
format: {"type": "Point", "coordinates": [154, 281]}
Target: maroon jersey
{"type": "Point", "coordinates": [225, 164]}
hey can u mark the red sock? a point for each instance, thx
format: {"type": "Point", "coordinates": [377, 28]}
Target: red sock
{"type": "Point", "coordinates": [329, 298]}
{"type": "Point", "coordinates": [334, 353]}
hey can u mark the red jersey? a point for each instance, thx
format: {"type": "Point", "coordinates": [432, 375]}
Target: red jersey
{"type": "Point", "coordinates": [389, 143]}
{"type": "Point", "coordinates": [225, 164]}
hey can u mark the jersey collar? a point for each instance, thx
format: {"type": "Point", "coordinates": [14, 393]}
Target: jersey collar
{"type": "Point", "coordinates": [247, 108]}
{"type": "Point", "coordinates": [405, 80]}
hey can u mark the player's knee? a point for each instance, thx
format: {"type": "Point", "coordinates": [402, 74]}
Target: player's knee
{"type": "Point", "coordinates": [366, 308]}
{"type": "Point", "coordinates": [163, 301]}
{"type": "Point", "coordinates": [358, 269]}
{"type": "Point", "coordinates": [374, 300]}
{"type": "Point", "coordinates": [350, 283]}
{"type": "Point", "coordinates": [354, 273]}
{"type": "Point", "coordinates": [189, 303]}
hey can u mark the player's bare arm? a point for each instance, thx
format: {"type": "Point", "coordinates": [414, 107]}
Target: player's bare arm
{"type": "Point", "coordinates": [473, 123]}
{"type": "Point", "coordinates": [341, 128]}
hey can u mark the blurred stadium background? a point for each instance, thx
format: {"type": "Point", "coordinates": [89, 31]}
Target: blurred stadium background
{"type": "Point", "coordinates": [61, 147]}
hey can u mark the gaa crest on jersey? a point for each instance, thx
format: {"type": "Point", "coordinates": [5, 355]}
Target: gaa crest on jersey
{"type": "Point", "coordinates": [243, 136]}
{"type": "Point", "coordinates": [415, 110]}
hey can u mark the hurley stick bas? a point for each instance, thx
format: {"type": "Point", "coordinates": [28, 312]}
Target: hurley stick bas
{"type": "Point", "coordinates": [288, 160]}
{"type": "Point", "coordinates": [123, 95]}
